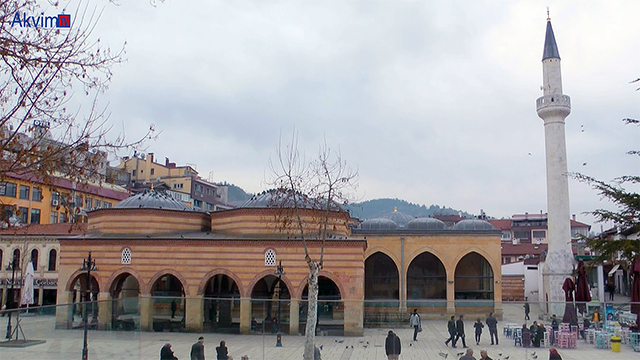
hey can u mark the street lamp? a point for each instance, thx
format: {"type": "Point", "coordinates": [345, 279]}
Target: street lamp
{"type": "Point", "coordinates": [88, 265]}
{"type": "Point", "coordinates": [279, 272]}
{"type": "Point", "coordinates": [13, 266]}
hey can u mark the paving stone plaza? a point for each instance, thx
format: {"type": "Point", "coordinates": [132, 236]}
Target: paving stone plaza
{"type": "Point", "coordinates": [67, 344]}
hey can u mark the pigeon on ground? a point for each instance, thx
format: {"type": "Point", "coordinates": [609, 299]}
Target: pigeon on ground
{"type": "Point", "coordinates": [321, 347]}
{"type": "Point", "coordinates": [534, 356]}
{"type": "Point", "coordinates": [506, 357]}
{"type": "Point", "coordinates": [443, 355]}
{"type": "Point", "coordinates": [459, 354]}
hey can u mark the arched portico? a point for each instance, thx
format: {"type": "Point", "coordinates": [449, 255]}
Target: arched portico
{"type": "Point", "coordinates": [270, 301]}
{"type": "Point", "coordinates": [168, 305]}
{"type": "Point", "coordinates": [426, 282]}
{"type": "Point", "coordinates": [330, 307]}
{"type": "Point", "coordinates": [124, 293]}
{"type": "Point", "coordinates": [474, 283]}
{"type": "Point", "coordinates": [221, 296]}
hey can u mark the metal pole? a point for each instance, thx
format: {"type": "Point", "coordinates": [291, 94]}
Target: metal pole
{"type": "Point", "coordinates": [279, 271]}
{"type": "Point", "coordinates": [13, 278]}
{"type": "Point", "coordinates": [87, 265]}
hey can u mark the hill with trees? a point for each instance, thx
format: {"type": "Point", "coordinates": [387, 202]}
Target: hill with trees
{"type": "Point", "coordinates": [377, 207]}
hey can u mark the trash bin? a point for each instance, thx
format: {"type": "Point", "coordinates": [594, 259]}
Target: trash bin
{"type": "Point", "coordinates": [615, 343]}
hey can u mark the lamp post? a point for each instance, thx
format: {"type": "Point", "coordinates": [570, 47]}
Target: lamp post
{"type": "Point", "coordinates": [88, 265]}
{"type": "Point", "coordinates": [13, 266]}
{"type": "Point", "coordinates": [279, 272]}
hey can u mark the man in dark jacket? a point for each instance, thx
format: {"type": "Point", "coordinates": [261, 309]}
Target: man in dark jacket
{"type": "Point", "coordinates": [166, 353]}
{"type": "Point", "coordinates": [197, 350]}
{"type": "Point", "coordinates": [451, 327]}
{"type": "Point", "coordinates": [460, 331]}
{"type": "Point", "coordinates": [492, 324]}
{"type": "Point", "coordinates": [392, 346]}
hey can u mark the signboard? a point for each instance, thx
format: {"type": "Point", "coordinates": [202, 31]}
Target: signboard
{"type": "Point", "coordinates": [37, 282]}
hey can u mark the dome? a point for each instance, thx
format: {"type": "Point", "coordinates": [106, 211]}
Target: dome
{"type": "Point", "coordinates": [275, 198]}
{"type": "Point", "coordinates": [379, 224]}
{"type": "Point", "coordinates": [151, 199]}
{"type": "Point", "coordinates": [473, 224]}
{"type": "Point", "coordinates": [426, 224]}
{"type": "Point", "coordinates": [398, 217]}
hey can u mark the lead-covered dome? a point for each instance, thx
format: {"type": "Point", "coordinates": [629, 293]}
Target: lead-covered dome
{"type": "Point", "coordinates": [151, 199]}
{"type": "Point", "coordinates": [473, 224]}
{"type": "Point", "coordinates": [400, 218]}
{"type": "Point", "coordinates": [379, 224]}
{"type": "Point", "coordinates": [426, 224]}
{"type": "Point", "coordinates": [280, 198]}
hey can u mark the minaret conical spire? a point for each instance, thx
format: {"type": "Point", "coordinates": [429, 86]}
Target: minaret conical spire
{"type": "Point", "coordinates": [550, 46]}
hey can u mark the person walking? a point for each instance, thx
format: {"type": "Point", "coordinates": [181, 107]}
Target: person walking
{"type": "Point", "coordinates": [460, 332]}
{"type": "Point", "coordinates": [223, 352]}
{"type": "Point", "coordinates": [166, 353]}
{"type": "Point", "coordinates": [316, 353]}
{"type": "Point", "coordinates": [392, 346]}
{"type": "Point", "coordinates": [468, 355]}
{"type": "Point", "coordinates": [478, 326]}
{"type": "Point", "coordinates": [174, 307]}
{"type": "Point", "coordinates": [483, 355]}
{"type": "Point", "coordinates": [414, 320]}
{"type": "Point", "coordinates": [451, 327]}
{"type": "Point", "coordinates": [527, 309]}
{"type": "Point", "coordinates": [612, 289]}
{"type": "Point", "coordinates": [197, 349]}
{"type": "Point", "coordinates": [492, 324]}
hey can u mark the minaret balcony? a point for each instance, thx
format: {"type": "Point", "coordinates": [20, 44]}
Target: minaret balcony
{"type": "Point", "coordinates": [553, 104]}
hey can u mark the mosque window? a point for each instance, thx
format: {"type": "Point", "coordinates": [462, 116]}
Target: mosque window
{"type": "Point", "coordinates": [126, 256]}
{"type": "Point", "coordinates": [270, 258]}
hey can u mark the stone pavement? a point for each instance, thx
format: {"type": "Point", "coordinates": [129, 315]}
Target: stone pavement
{"type": "Point", "coordinates": [67, 344]}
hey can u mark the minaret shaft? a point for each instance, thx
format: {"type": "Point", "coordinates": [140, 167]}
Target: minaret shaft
{"type": "Point", "coordinates": [553, 107]}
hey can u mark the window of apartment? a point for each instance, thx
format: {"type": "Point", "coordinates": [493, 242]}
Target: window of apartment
{"type": "Point", "coordinates": [210, 207]}
{"type": "Point", "coordinates": [106, 204]}
{"type": "Point", "coordinates": [78, 201]}
{"type": "Point", "coordinates": [53, 257]}
{"type": "Point", "coordinates": [16, 255]}
{"type": "Point", "coordinates": [522, 234]}
{"type": "Point", "coordinates": [133, 173]}
{"type": "Point", "coordinates": [55, 198]}
{"type": "Point", "coordinates": [23, 214]}
{"type": "Point", "coordinates": [506, 236]}
{"type": "Point", "coordinates": [539, 234]}
{"type": "Point", "coordinates": [64, 199]}
{"type": "Point", "coordinates": [24, 192]}
{"type": "Point", "coordinates": [197, 203]}
{"type": "Point", "coordinates": [63, 217]}
{"type": "Point", "coordinates": [207, 191]}
{"type": "Point", "coordinates": [35, 216]}
{"type": "Point", "coordinates": [34, 259]}
{"type": "Point", "coordinates": [53, 219]}
{"type": "Point", "coordinates": [88, 203]}
{"type": "Point", "coordinates": [8, 189]}
{"type": "Point", "coordinates": [153, 171]}
{"type": "Point", "coordinates": [37, 194]}
{"type": "Point", "coordinates": [177, 186]}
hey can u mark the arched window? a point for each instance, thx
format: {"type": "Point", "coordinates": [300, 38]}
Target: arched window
{"type": "Point", "coordinates": [270, 258]}
{"type": "Point", "coordinates": [126, 256]}
{"type": "Point", "coordinates": [34, 259]}
{"type": "Point", "coordinates": [53, 258]}
{"type": "Point", "coordinates": [16, 255]}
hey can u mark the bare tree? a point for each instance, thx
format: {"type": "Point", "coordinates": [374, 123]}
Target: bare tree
{"type": "Point", "coordinates": [43, 64]}
{"type": "Point", "coordinates": [309, 195]}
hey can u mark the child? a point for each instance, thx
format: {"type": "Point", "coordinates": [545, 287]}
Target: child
{"type": "Point", "coordinates": [478, 325]}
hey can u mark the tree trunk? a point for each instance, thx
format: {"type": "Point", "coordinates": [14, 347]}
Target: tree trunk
{"type": "Point", "coordinates": [312, 312]}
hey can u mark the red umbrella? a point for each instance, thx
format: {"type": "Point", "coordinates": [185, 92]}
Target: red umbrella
{"type": "Point", "coordinates": [635, 288]}
{"type": "Point", "coordinates": [583, 295]}
{"type": "Point", "coordinates": [569, 311]}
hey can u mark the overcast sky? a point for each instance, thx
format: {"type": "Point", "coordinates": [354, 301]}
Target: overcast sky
{"type": "Point", "coordinates": [433, 102]}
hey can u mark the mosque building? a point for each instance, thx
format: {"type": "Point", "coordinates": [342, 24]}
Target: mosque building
{"type": "Point", "coordinates": [161, 265]}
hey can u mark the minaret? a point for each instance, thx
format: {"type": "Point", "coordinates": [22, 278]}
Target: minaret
{"type": "Point", "coordinates": [553, 107]}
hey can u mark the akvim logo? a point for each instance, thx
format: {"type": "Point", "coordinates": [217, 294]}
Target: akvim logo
{"type": "Point", "coordinates": [60, 21]}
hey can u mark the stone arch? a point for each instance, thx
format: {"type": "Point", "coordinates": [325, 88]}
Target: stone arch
{"type": "Point", "coordinates": [265, 273]}
{"type": "Point", "coordinates": [426, 279]}
{"type": "Point", "coordinates": [130, 271]}
{"type": "Point", "coordinates": [380, 249]}
{"type": "Point", "coordinates": [161, 273]}
{"type": "Point", "coordinates": [212, 273]}
{"type": "Point", "coordinates": [485, 255]}
{"type": "Point", "coordinates": [474, 280]}
{"type": "Point", "coordinates": [323, 273]}
{"type": "Point", "coordinates": [72, 279]}
{"type": "Point", "coordinates": [381, 279]}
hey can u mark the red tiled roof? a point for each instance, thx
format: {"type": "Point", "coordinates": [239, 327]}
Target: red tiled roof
{"type": "Point", "coordinates": [575, 223]}
{"type": "Point", "coordinates": [522, 249]}
{"type": "Point", "coordinates": [501, 224]}
{"type": "Point", "coordinates": [46, 229]}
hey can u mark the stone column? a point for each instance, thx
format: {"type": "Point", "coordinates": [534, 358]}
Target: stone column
{"type": "Point", "coordinates": [104, 311]}
{"type": "Point", "coordinates": [353, 317]}
{"type": "Point", "coordinates": [194, 317]}
{"type": "Point", "coordinates": [146, 312]}
{"type": "Point", "coordinates": [294, 317]}
{"type": "Point", "coordinates": [64, 310]}
{"type": "Point", "coordinates": [245, 316]}
{"type": "Point", "coordinates": [451, 294]}
{"type": "Point", "coordinates": [40, 295]}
